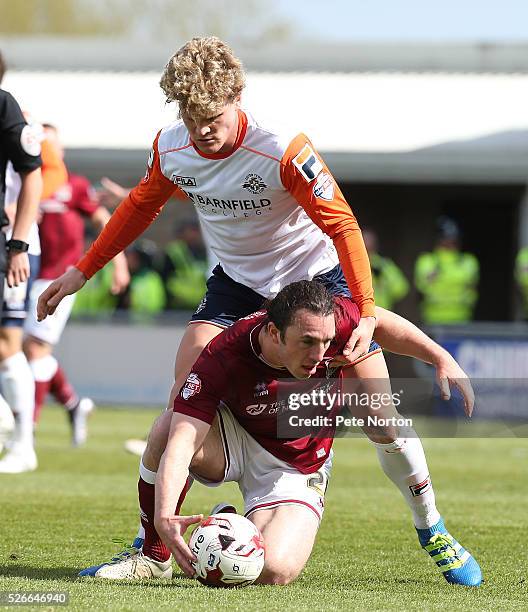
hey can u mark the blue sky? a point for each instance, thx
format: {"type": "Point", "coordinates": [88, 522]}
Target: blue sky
{"type": "Point", "coordinates": [409, 20]}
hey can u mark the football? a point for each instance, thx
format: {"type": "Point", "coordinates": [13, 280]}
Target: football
{"type": "Point", "coordinates": [229, 551]}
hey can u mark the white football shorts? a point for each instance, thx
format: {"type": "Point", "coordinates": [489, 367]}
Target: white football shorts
{"type": "Point", "coordinates": [49, 330]}
{"type": "Point", "coordinates": [264, 480]}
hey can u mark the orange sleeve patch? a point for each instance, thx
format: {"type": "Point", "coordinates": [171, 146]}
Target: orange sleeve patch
{"type": "Point", "coordinates": [308, 179]}
{"type": "Point", "coordinates": [131, 218]}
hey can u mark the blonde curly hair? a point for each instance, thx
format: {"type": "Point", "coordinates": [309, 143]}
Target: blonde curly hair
{"type": "Point", "coordinates": [203, 76]}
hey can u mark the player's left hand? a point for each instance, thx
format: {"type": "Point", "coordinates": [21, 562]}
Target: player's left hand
{"type": "Point", "coordinates": [120, 279]}
{"type": "Point", "coordinates": [17, 268]}
{"type": "Point", "coordinates": [448, 374]}
{"type": "Point", "coordinates": [359, 342]}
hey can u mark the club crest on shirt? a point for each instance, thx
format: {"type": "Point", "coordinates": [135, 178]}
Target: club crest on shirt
{"type": "Point", "coordinates": [254, 183]}
{"type": "Point", "coordinates": [261, 389]}
{"type": "Point", "coordinates": [308, 163]}
{"type": "Point", "coordinates": [191, 387]}
{"type": "Point", "coordinates": [324, 187]}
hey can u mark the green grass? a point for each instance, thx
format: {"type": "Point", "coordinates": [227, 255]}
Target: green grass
{"type": "Point", "coordinates": [63, 517]}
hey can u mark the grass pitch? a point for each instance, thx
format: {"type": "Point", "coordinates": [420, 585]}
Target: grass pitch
{"type": "Point", "coordinates": [63, 517]}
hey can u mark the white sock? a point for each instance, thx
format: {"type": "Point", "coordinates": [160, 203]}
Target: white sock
{"type": "Point", "coordinates": [403, 461]}
{"type": "Point", "coordinates": [44, 368]}
{"type": "Point", "coordinates": [18, 389]}
{"type": "Point", "coordinates": [7, 422]}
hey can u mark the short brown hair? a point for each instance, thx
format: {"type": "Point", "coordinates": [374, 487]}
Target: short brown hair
{"type": "Point", "coordinates": [203, 76]}
{"type": "Point", "coordinates": [301, 295]}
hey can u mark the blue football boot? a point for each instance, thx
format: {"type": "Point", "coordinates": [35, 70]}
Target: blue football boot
{"type": "Point", "coordinates": [456, 563]}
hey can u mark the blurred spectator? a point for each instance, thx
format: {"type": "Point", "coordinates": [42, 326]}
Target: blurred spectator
{"type": "Point", "coordinates": [145, 295]}
{"type": "Point", "coordinates": [111, 193]}
{"type": "Point", "coordinates": [390, 284]}
{"type": "Point", "coordinates": [185, 267]}
{"type": "Point", "coordinates": [96, 299]}
{"type": "Point", "coordinates": [61, 230]}
{"type": "Point", "coordinates": [521, 276]}
{"type": "Point", "coordinates": [447, 278]}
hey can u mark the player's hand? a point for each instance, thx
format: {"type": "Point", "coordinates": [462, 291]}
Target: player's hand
{"type": "Point", "coordinates": [17, 268]}
{"type": "Point", "coordinates": [359, 342]}
{"type": "Point", "coordinates": [112, 193]}
{"type": "Point", "coordinates": [448, 374]}
{"type": "Point", "coordinates": [120, 280]}
{"type": "Point", "coordinates": [171, 530]}
{"type": "Point", "coordinates": [70, 282]}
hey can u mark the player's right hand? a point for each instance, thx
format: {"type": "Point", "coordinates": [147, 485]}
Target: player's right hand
{"type": "Point", "coordinates": [70, 282]}
{"type": "Point", "coordinates": [171, 530]}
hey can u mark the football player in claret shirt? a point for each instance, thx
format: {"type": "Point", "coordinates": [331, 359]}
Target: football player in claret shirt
{"type": "Point", "coordinates": [224, 427]}
{"type": "Point", "coordinates": [61, 227]}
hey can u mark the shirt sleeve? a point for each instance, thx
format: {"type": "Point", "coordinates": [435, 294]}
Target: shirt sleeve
{"type": "Point", "coordinates": [54, 173]}
{"type": "Point", "coordinates": [21, 142]}
{"type": "Point", "coordinates": [308, 179]}
{"type": "Point", "coordinates": [347, 316]}
{"type": "Point", "coordinates": [204, 388]}
{"type": "Point", "coordinates": [131, 218]}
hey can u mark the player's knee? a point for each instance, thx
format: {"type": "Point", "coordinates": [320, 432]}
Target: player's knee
{"type": "Point", "coordinates": [381, 436]}
{"type": "Point", "coordinates": [380, 428]}
{"type": "Point", "coordinates": [278, 573]}
{"type": "Point", "coordinates": [157, 441]}
{"type": "Point", "coordinates": [35, 348]}
{"type": "Point", "coordinates": [10, 343]}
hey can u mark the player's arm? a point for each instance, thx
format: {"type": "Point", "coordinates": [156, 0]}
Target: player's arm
{"type": "Point", "coordinates": [22, 146]}
{"type": "Point", "coordinates": [121, 275]}
{"type": "Point", "coordinates": [25, 215]}
{"type": "Point", "coordinates": [398, 335]}
{"type": "Point", "coordinates": [186, 436]}
{"type": "Point", "coordinates": [194, 408]}
{"type": "Point", "coordinates": [130, 219]}
{"type": "Point", "coordinates": [308, 179]}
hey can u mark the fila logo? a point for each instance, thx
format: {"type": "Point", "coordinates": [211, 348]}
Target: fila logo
{"type": "Point", "coordinates": [308, 163]}
{"type": "Point", "coordinates": [421, 487]}
{"type": "Point", "coordinates": [184, 181]}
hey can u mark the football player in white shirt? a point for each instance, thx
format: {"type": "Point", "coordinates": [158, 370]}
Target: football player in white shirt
{"type": "Point", "coordinates": [272, 214]}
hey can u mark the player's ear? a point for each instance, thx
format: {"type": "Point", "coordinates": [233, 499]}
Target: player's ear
{"type": "Point", "coordinates": [273, 332]}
